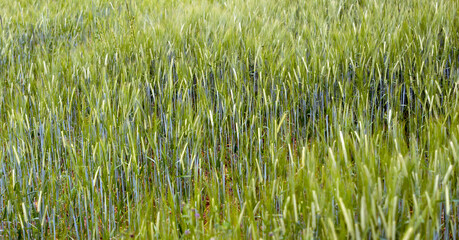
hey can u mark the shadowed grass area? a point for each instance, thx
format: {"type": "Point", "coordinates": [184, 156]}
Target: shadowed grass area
{"type": "Point", "coordinates": [229, 119]}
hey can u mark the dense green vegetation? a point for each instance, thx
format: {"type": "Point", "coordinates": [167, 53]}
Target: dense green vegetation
{"type": "Point", "coordinates": [253, 119]}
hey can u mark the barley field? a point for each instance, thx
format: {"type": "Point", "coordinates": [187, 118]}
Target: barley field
{"type": "Point", "coordinates": [229, 119]}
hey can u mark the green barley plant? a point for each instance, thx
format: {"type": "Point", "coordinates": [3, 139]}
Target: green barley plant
{"type": "Point", "coordinates": [229, 119]}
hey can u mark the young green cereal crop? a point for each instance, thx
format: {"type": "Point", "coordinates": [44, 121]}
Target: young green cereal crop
{"type": "Point", "coordinates": [229, 119]}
